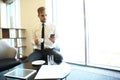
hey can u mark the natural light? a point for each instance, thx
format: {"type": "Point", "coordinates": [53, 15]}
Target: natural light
{"type": "Point", "coordinates": [94, 42]}
{"type": "Point", "coordinates": [71, 29]}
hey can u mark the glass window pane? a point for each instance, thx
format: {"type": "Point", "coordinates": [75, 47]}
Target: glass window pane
{"type": "Point", "coordinates": [103, 18]}
{"type": "Point", "coordinates": [70, 24]}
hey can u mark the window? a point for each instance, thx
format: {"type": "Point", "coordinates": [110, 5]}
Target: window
{"type": "Point", "coordinates": [103, 27]}
{"type": "Point", "coordinates": [70, 26]}
{"type": "Point", "coordinates": [10, 18]}
{"type": "Point", "coordinates": [99, 44]}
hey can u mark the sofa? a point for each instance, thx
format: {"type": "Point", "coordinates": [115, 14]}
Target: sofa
{"type": "Point", "coordinates": [8, 57]}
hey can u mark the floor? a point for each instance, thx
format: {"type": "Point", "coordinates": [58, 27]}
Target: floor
{"type": "Point", "coordinates": [91, 73]}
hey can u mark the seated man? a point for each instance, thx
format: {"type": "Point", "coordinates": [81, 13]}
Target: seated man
{"type": "Point", "coordinates": [44, 39]}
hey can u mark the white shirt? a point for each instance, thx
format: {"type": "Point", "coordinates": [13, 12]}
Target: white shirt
{"type": "Point", "coordinates": [49, 29]}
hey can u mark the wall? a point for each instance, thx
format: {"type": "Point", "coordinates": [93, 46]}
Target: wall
{"type": "Point", "coordinates": [29, 19]}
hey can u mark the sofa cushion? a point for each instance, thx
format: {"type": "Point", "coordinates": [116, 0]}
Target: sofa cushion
{"type": "Point", "coordinates": [8, 63]}
{"type": "Point", "coordinates": [6, 51]}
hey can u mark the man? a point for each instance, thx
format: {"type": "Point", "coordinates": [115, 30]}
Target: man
{"type": "Point", "coordinates": [44, 44]}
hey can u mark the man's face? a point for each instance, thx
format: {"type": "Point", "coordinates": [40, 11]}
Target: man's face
{"type": "Point", "coordinates": [42, 16]}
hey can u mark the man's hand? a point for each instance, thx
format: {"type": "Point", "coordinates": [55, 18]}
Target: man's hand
{"type": "Point", "coordinates": [52, 39]}
{"type": "Point", "coordinates": [36, 41]}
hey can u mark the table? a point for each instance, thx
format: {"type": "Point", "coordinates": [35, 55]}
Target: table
{"type": "Point", "coordinates": [48, 71]}
{"type": "Point", "coordinates": [53, 72]}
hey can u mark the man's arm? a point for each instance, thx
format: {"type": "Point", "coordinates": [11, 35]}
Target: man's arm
{"type": "Point", "coordinates": [35, 38]}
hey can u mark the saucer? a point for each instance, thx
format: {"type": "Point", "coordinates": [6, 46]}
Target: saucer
{"type": "Point", "coordinates": [38, 62]}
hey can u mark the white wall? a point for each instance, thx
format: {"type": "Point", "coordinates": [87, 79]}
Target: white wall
{"type": "Point", "coordinates": [29, 19]}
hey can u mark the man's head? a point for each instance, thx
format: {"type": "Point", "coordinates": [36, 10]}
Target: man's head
{"type": "Point", "coordinates": [42, 14]}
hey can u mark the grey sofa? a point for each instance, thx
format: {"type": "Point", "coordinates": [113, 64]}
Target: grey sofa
{"type": "Point", "coordinates": [7, 56]}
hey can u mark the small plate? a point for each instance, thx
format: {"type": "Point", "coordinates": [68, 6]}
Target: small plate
{"type": "Point", "coordinates": [38, 62]}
